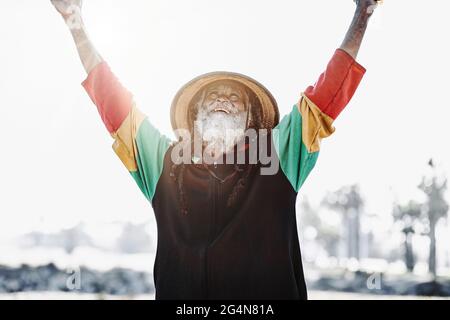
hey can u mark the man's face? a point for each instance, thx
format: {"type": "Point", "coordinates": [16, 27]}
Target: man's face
{"type": "Point", "coordinates": [227, 96]}
{"type": "Point", "coordinates": [222, 115]}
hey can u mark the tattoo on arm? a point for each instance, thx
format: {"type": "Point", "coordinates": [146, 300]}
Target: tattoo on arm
{"type": "Point", "coordinates": [355, 33]}
{"type": "Point", "coordinates": [86, 50]}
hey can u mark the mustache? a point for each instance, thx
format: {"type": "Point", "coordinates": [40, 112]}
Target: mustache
{"type": "Point", "coordinates": [226, 106]}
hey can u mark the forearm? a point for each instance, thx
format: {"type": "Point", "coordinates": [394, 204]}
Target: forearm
{"type": "Point", "coordinates": [86, 49]}
{"type": "Point", "coordinates": [357, 29]}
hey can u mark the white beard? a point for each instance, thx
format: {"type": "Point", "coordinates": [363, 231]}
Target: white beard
{"type": "Point", "coordinates": [220, 131]}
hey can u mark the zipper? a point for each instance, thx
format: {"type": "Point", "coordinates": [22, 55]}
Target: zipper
{"type": "Point", "coordinates": [213, 211]}
{"type": "Point", "coordinates": [206, 273]}
{"type": "Point", "coordinates": [211, 229]}
{"type": "Point", "coordinates": [216, 191]}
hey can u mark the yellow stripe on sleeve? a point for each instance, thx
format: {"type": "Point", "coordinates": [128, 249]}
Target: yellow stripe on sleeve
{"type": "Point", "coordinates": [316, 125]}
{"type": "Point", "coordinates": [125, 138]}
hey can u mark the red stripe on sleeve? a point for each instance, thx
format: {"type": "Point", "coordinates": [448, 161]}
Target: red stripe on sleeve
{"type": "Point", "coordinates": [113, 101]}
{"type": "Point", "coordinates": [337, 85]}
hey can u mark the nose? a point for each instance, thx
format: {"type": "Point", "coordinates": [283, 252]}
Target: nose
{"type": "Point", "coordinates": [222, 99]}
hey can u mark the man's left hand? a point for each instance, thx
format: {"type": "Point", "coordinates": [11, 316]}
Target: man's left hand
{"type": "Point", "coordinates": [368, 6]}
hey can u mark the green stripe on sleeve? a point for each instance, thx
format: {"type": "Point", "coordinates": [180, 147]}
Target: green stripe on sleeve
{"type": "Point", "coordinates": [152, 146]}
{"type": "Point", "coordinates": [295, 160]}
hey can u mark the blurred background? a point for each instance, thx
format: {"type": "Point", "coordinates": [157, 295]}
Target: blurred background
{"type": "Point", "coordinates": [372, 216]}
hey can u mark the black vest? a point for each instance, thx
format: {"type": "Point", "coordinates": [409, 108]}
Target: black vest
{"type": "Point", "coordinates": [249, 251]}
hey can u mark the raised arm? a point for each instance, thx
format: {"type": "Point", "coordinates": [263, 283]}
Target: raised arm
{"type": "Point", "coordinates": [337, 85]}
{"type": "Point", "coordinates": [114, 102]}
{"type": "Point", "coordinates": [138, 144]}
{"type": "Point", "coordinates": [357, 29]}
{"type": "Point", "coordinates": [299, 134]}
{"type": "Point", "coordinates": [70, 11]}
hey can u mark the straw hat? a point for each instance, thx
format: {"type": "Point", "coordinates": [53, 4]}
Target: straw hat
{"type": "Point", "coordinates": [179, 113]}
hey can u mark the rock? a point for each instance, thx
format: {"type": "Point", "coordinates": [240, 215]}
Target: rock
{"type": "Point", "coordinates": [117, 281]}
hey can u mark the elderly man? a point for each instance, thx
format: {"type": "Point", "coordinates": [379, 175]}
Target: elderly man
{"type": "Point", "coordinates": [226, 229]}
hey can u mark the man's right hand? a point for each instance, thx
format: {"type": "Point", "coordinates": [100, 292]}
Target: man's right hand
{"type": "Point", "coordinates": [68, 8]}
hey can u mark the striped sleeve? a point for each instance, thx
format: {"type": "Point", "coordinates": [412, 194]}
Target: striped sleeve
{"type": "Point", "coordinates": [297, 137]}
{"type": "Point", "coordinates": [137, 143]}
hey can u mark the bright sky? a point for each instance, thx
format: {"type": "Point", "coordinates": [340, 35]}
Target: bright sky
{"type": "Point", "coordinates": [57, 165]}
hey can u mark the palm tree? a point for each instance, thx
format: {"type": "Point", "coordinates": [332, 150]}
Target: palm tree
{"type": "Point", "coordinates": [407, 216]}
{"type": "Point", "coordinates": [348, 201]}
{"type": "Point", "coordinates": [436, 208]}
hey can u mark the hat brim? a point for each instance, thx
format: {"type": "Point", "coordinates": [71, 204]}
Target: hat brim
{"type": "Point", "coordinates": [179, 113]}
